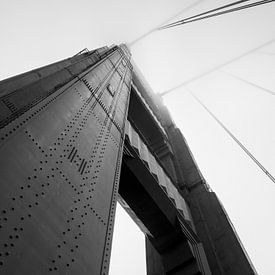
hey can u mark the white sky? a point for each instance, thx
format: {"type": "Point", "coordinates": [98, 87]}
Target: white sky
{"type": "Point", "coordinates": [34, 33]}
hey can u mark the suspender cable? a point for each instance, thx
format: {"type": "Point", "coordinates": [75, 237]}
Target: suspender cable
{"type": "Point", "coordinates": [250, 83]}
{"type": "Point", "coordinates": [234, 138]}
{"type": "Point", "coordinates": [186, 21]}
{"type": "Point", "coordinates": [204, 13]}
{"type": "Point", "coordinates": [216, 68]}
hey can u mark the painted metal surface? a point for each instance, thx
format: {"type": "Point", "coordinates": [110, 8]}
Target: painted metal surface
{"type": "Point", "coordinates": [157, 170]}
{"type": "Point", "coordinates": [62, 130]}
{"type": "Point", "coordinates": [60, 167]}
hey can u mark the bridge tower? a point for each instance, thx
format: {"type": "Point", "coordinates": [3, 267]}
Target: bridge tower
{"type": "Point", "coordinates": [82, 133]}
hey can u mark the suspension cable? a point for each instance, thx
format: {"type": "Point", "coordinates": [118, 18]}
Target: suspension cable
{"type": "Point", "coordinates": [233, 137]}
{"type": "Point", "coordinates": [250, 83]}
{"type": "Point", "coordinates": [217, 67]}
{"type": "Point", "coordinates": [185, 9]}
{"type": "Point", "coordinates": [204, 13]}
{"type": "Point", "coordinates": [186, 21]}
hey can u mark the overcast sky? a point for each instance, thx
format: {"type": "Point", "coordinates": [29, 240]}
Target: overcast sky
{"type": "Point", "coordinates": [35, 33]}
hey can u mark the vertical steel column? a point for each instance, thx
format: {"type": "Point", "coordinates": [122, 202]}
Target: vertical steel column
{"type": "Point", "coordinates": [60, 166]}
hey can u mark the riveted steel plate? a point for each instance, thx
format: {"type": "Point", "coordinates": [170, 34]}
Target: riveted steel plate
{"type": "Point", "coordinates": [60, 167]}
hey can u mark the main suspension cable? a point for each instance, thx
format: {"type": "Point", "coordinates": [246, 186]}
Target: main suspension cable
{"type": "Point", "coordinates": [233, 137]}
{"type": "Point", "coordinates": [209, 11]}
{"type": "Point", "coordinates": [166, 21]}
{"type": "Point", "coordinates": [186, 21]}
